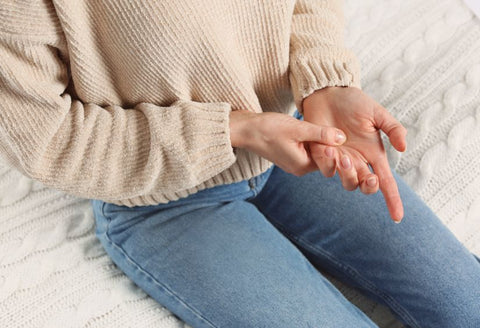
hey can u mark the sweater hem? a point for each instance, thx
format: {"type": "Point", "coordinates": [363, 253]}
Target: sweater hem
{"type": "Point", "coordinates": [233, 174]}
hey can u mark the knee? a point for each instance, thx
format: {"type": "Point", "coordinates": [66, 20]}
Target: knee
{"type": "Point", "coordinates": [302, 312]}
{"type": "Point", "coordinates": [458, 311]}
{"type": "Point", "coordinates": [455, 308]}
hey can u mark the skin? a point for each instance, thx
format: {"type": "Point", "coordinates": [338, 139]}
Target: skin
{"type": "Point", "coordinates": [301, 147]}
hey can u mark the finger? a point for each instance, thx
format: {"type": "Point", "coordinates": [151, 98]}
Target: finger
{"type": "Point", "coordinates": [323, 134]}
{"type": "Point", "coordinates": [347, 172]}
{"type": "Point", "coordinates": [368, 181]}
{"type": "Point", "coordinates": [395, 131]}
{"type": "Point", "coordinates": [324, 157]}
{"type": "Point", "coordinates": [389, 188]}
{"type": "Point", "coordinates": [303, 160]}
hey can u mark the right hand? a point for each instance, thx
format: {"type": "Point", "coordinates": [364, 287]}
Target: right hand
{"type": "Point", "coordinates": [281, 138]}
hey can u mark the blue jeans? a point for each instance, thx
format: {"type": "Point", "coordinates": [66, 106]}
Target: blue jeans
{"type": "Point", "coordinates": [248, 254]}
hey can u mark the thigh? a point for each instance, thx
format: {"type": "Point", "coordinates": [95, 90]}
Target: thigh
{"type": "Point", "coordinates": [418, 268]}
{"type": "Point", "coordinates": [221, 264]}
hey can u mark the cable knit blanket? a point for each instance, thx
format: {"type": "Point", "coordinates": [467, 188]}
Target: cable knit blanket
{"type": "Point", "coordinates": [420, 59]}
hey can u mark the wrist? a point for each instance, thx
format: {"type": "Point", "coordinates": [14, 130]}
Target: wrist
{"type": "Point", "coordinates": [326, 96]}
{"type": "Point", "coordinates": [240, 126]}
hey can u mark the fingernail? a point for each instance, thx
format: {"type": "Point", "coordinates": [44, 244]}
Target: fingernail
{"type": "Point", "coordinates": [371, 182]}
{"type": "Point", "coordinates": [329, 152]}
{"type": "Point", "coordinates": [346, 163]}
{"type": "Point", "coordinates": [397, 222]}
{"type": "Point", "coordinates": [340, 138]}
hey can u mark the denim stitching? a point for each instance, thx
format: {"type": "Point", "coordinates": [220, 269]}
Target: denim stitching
{"type": "Point", "coordinates": [354, 274]}
{"type": "Point", "coordinates": [103, 212]}
{"type": "Point", "coordinates": [476, 257]}
{"type": "Point", "coordinates": [150, 277]}
{"type": "Point", "coordinates": [260, 182]}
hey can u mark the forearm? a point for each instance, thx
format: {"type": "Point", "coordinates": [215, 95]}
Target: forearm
{"type": "Point", "coordinates": [102, 152]}
{"type": "Point", "coordinates": [318, 56]}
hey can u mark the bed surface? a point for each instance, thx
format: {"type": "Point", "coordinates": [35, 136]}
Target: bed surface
{"type": "Point", "coordinates": [420, 59]}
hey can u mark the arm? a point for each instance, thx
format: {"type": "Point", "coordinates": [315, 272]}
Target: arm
{"type": "Point", "coordinates": [318, 58]}
{"type": "Point", "coordinates": [92, 151]}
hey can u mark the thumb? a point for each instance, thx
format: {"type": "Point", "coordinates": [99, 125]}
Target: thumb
{"type": "Point", "coordinates": [395, 131]}
{"type": "Point", "coordinates": [322, 134]}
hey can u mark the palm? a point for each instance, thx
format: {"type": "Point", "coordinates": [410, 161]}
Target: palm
{"type": "Point", "coordinates": [364, 144]}
{"type": "Point", "coordinates": [361, 119]}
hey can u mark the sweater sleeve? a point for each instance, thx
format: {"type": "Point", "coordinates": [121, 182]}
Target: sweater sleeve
{"type": "Point", "coordinates": [318, 57]}
{"type": "Point", "coordinates": [101, 152]}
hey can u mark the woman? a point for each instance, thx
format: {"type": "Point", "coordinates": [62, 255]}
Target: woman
{"type": "Point", "coordinates": [209, 190]}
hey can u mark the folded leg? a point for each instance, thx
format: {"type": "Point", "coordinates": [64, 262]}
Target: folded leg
{"type": "Point", "coordinates": [221, 264]}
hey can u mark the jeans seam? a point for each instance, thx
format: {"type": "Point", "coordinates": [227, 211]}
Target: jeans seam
{"type": "Point", "coordinates": [167, 289]}
{"type": "Point", "coordinates": [260, 181]}
{"type": "Point", "coordinates": [393, 304]}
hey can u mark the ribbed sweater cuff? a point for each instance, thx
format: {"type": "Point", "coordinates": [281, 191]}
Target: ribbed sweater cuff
{"type": "Point", "coordinates": [216, 153]}
{"type": "Point", "coordinates": [203, 148]}
{"type": "Point", "coordinates": [316, 69]}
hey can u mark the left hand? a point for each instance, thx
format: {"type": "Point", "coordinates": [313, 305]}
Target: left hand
{"type": "Point", "coordinates": [361, 119]}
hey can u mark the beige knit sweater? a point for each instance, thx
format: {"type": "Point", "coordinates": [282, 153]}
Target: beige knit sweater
{"type": "Point", "coordinates": [128, 101]}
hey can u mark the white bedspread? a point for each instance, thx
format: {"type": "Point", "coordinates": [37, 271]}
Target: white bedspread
{"type": "Point", "coordinates": [420, 59]}
{"type": "Point", "coordinates": [474, 5]}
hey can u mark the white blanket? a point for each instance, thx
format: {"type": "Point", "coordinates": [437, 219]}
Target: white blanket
{"type": "Point", "coordinates": [474, 5]}
{"type": "Point", "coordinates": [420, 59]}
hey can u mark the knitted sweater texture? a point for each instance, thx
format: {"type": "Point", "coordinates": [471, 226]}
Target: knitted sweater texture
{"type": "Point", "coordinates": [129, 101]}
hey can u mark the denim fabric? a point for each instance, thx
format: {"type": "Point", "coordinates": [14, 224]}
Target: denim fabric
{"type": "Point", "coordinates": [248, 254]}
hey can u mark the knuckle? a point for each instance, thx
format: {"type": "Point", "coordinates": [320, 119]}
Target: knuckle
{"type": "Point", "coordinates": [296, 134]}
{"type": "Point", "coordinates": [399, 127]}
{"type": "Point", "coordinates": [323, 133]}
{"type": "Point", "coordinates": [299, 134]}
{"type": "Point", "coordinates": [350, 185]}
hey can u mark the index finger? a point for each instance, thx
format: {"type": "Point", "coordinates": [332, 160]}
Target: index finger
{"type": "Point", "coordinates": [389, 188]}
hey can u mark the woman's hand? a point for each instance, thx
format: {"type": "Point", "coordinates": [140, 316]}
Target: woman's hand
{"type": "Point", "coordinates": [281, 138]}
{"type": "Point", "coordinates": [361, 118]}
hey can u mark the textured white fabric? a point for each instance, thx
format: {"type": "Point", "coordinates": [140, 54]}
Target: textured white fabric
{"type": "Point", "coordinates": [474, 5]}
{"type": "Point", "coordinates": [419, 59]}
